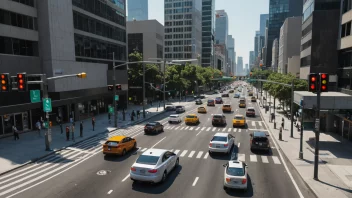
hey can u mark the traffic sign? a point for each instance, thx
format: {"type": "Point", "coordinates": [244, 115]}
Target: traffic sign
{"type": "Point", "coordinates": [47, 105]}
{"type": "Point", "coordinates": [35, 96]}
{"type": "Point", "coordinates": [111, 109]}
{"type": "Point", "coordinates": [117, 97]}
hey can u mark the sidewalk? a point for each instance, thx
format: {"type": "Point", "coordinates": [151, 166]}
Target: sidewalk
{"type": "Point", "coordinates": [335, 164]}
{"type": "Point", "coordinates": [31, 147]}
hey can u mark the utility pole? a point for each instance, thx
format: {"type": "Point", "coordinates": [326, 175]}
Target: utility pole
{"type": "Point", "coordinates": [301, 139]}
{"type": "Point", "coordinates": [317, 133]}
{"type": "Point", "coordinates": [292, 96]}
{"type": "Point", "coordinates": [47, 134]}
{"type": "Point", "coordinates": [143, 90]}
{"type": "Point", "coordinates": [164, 81]}
{"type": "Point", "coordinates": [114, 88]}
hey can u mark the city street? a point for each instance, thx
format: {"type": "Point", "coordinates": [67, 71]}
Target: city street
{"type": "Point", "coordinates": [83, 170]}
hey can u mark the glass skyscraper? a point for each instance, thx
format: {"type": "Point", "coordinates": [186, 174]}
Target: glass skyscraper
{"type": "Point", "coordinates": [208, 31]}
{"type": "Point", "coordinates": [137, 10]}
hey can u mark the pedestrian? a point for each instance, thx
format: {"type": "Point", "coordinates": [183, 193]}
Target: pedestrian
{"type": "Point", "coordinates": [39, 127]}
{"type": "Point", "coordinates": [81, 129]}
{"type": "Point", "coordinates": [132, 115]}
{"type": "Point", "coordinates": [93, 122]}
{"type": "Point", "coordinates": [138, 114]}
{"type": "Point", "coordinates": [73, 131]}
{"type": "Point", "coordinates": [67, 133]}
{"type": "Point", "coordinates": [71, 120]}
{"type": "Point", "coordinates": [15, 133]}
{"type": "Point", "coordinates": [283, 123]}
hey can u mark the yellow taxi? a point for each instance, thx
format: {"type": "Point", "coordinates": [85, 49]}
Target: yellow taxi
{"type": "Point", "coordinates": [202, 110]}
{"type": "Point", "coordinates": [250, 93]}
{"type": "Point", "coordinates": [253, 99]}
{"type": "Point", "coordinates": [239, 121]}
{"type": "Point", "coordinates": [119, 145]}
{"type": "Point", "coordinates": [191, 119]}
{"type": "Point", "coordinates": [242, 103]}
{"type": "Point", "coordinates": [226, 108]}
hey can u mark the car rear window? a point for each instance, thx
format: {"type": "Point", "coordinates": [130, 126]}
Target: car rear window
{"type": "Point", "coordinates": [217, 116]}
{"type": "Point", "coordinates": [235, 171]}
{"type": "Point", "coordinates": [219, 139]}
{"type": "Point", "coordinates": [173, 116]}
{"type": "Point", "coordinates": [190, 116]}
{"type": "Point", "coordinates": [260, 139]}
{"type": "Point", "coordinates": [201, 108]}
{"type": "Point", "coordinates": [250, 110]}
{"type": "Point", "coordinates": [238, 117]}
{"type": "Point", "coordinates": [218, 98]}
{"type": "Point", "coordinates": [151, 124]}
{"type": "Point", "coordinates": [178, 107]}
{"type": "Point", "coordinates": [227, 105]}
{"type": "Point", "coordinates": [147, 159]}
{"type": "Point", "coordinates": [112, 143]}
{"type": "Point", "coordinates": [210, 100]}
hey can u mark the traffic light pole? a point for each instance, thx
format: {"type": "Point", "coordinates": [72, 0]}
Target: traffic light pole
{"type": "Point", "coordinates": [164, 81]}
{"type": "Point", "coordinates": [317, 132]}
{"type": "Point", "coordinates": [301, 138]}
{"type": "Point", "coordinates": [143, 90]}
{"type": "Point", "coordinates": [47, 134]}
{"type": "Point", "coordinates": [292, 96]}
{"type": "Point", "coordinates": [114, 88]}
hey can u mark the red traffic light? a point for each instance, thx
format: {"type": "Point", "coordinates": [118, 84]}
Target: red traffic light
{"type": "Point", "coordinates": [20, 76]}
{"type": "Point", "coordinates": [2, 76]}
{"type": "Point", "coordinates": [323, 76]}
{"type": "Point", "coordinates": [312, 86]}
{"type": "Point", "coordinates": [313, 79]}
{"type": "Point", "coordinates": [323, 88]}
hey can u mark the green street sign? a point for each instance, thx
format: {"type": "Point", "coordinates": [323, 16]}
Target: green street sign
{"type": "Point", "coordinates": [46, 124]}
{"type": "Point", "coordinates": [111, 109]}
{"type": "Point", "coordinates": [47, 105]}
{"type": "Point", "coordinates": [117, 97]}
{"type": "Point", "coordinates": [35, 96]}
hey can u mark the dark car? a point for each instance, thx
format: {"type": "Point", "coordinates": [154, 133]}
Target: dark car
{"type": "Point", "coordinates": [225, 95]}
{"type": "Point", "coordinates": [199, 102]}
{"type": "Point", "coordinates": [259, 141]}
{"type": "Point", "coordinates": [218, 119]}
{"type": "Point", "coordinates": [153, 127]}
{"type": "Point", "coordinates": [180, 109]}
{"type": "Point", "coordinates": [211, 103]}
{"type": "Point", "coordinates": [250, 112]}
{"type": "Point", "coordinates": [170, 107]}
{"type": "Point", "coordinates": [218, 100]}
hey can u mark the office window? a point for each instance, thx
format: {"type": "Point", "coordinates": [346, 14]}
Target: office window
{"type": "Point", "coordinates": [348, 28]}
{"type": "Point", "coordinates": [18, 20]}
{"type": "Point", "coordinates": [18, 46]}
{"type": "Point", "coordinates": [306, 61]}
{"type": "Point", "coordinates": [26, 2]}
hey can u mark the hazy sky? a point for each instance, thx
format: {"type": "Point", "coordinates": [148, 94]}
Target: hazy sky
{"type": "Point", "coordinates": [243, 20]}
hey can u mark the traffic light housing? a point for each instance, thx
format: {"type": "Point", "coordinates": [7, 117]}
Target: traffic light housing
{"type": "Point", "coordinates": [111, 87]}
{"type": "Point", "coordinates": [324, 81]}
{"type": "Point", "coordinates": [5, 82]}
{"type": "Point", "coordinates": [118, 87]}
{"type": "Point", "coordinates": [313, 82]}
{"type": "Point", "coordinates": [21, 82]}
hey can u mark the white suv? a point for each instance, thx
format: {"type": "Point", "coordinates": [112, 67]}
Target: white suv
{"type": "Point", "coordinates": [174, 118]}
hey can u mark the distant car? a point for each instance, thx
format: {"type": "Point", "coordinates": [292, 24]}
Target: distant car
{"type": "Point", "coordinates": [237, 95]}
{"type": "Point", "coordinates": [231, 91]}
{"type": "Point", "coordinates": [253, 99]}
{"type": "Point", "coordinates": [260, 141]}
{"type": "Point", "coordinates": [170, 107]}
{"type": "Point", "coordinates": [199, 102]}
{"type": "Point", "coordinates": [242, 103]}
{"type": "Point", "coordinates": [191, 119]}
{"type": "Point", "coordinates": [221, 143]}
{"type": "Point", "coordinates": [211, 103]}
{"type": "Point", "coordinates": [221, 91]}
{"type": "Point", "coordinates": [226, 108]}
{"type": "Point", "coordinates": [236, 175]}
{"type": "Point", "coordinates": [119, 145]}
{"type": "Point", "coordinates": [202, 96]}
{"type": "Point", "coordinates": [154, 165]}
{"type": "Point", "coordinates": [175, 118]}
{"type": "Point", "coordinates": [202, 110]}
{"type": "Point", "coordinates": [218, 119]}
{"type": "Point", "coordinates": [250, 112]}
{"type": "Point", "coordinates": [225, 95]}
{"type": "Point", "coordinates": [250, 93]}
{"type": "Point", "coordinates": [180, 109]}
{"type": "Point", "coordinates": [218, 100]}
{"type": "Point", "coordinates": [153, 127]}
{"type": "Point", "coordinates": [239, 120]}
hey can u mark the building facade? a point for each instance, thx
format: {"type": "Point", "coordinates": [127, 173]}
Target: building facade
{"type": "Point", "coordinates": [320, 28]}
{"type": "Point", "coordinates": [289, 43]}
{"type": "Point", "coordinates": [239, 69]}
{"type": "Point", "coordinates": [275, 55]}
{"type": "Point", "coordinates": [231, 55]}
{"type": "Point", "coordinates": [208, 32]}
{"type": "Point", "coordinates": [256, 45]}
{"type": "Point", "coordinates": [279, 10]}
{"type": "Point", "coordinates": [77, 38]}
{"type": "Point", "coordinates": [263, 19]}
{"type": "Point", "coordinates": [251, 60]}
{"type": "Point", "coordinates": [137, 10]}
{"type": "Point", "coordinates": [183, 29]}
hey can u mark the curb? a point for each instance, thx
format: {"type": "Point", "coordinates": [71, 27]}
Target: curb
{"type": "Point", "coordinates": [60, 149]}
{"type": "Point", "coordinates": [306, 184]}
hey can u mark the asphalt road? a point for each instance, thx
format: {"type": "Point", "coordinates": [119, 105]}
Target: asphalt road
{"type": "Point", "coordinates": [83, 171]}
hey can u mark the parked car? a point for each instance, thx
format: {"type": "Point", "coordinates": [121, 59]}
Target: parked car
{"type": "Point", "coordinates": [218, 119]}
{"type": "Point", "coordinates": [260, 141]}
{"type": "Point", "coordinates": [174, 118]}
{"type": "Point", "coordinates": [119, 145]}
{"type": "Point", "coordinates": [180, 109]}
{"type": "Point", "coordinates": [153, 127]}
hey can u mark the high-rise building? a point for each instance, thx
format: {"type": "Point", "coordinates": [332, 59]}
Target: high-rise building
{"type": "Point", "coordinates": [239, 70]}
{"type": "Point", "coordinates": [246, 70]}
{"type": "Point", "coordinates": [256, 44]}
{"type": "Point", "coordinates": [251, 60]}
{"type": "Point", "coordinates": [183, 29]}
{"type": "Point", "coordinates": [275, 55]}
{"type": "Point", "coordinates": [279, 10]}
{"type": "Point", "coordinates": [231, 54]}
{"type": "Point", "coordinates": [263, 18]}
{"type": "Point", "coordinates": [320, 33]}
{"type": "Point", "coordinates": [59, 38]}
{"type": "Point", "coordinates": [289, 45]}
{"type": "Point", "coordinates": [208, 32]}
{"type": "Point", "coordinates": [221, 27]}
{"type": "Point", "coordinates": [137, 9]}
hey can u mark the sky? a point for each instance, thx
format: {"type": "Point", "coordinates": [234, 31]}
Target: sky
{"type": "Point", "coordinates": [244, 18]}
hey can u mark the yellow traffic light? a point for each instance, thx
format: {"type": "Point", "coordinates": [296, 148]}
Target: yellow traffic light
{"type": "Point", "coordinates": [82, 75]}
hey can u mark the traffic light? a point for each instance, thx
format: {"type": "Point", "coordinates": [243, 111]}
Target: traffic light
{"type": "Point", "coordinates": [324, 81]}
{"type": "Point", "coordinates": [118, 87]}
{"type": "Point", "coordinates": [5, 82]}
{"type": "Point", "coordinates": [111, 87]}
{"type": "Point", "coordinates": [21, 82]}
{"type": "Point", "coordinates": [313, 82]}
{"type": "Point", "coordinates": [82, 75]}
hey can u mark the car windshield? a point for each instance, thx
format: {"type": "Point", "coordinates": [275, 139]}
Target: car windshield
{"type": "Point", "coordinates": [242, 101]}
{"type": "Point", "coordinates": [219, 139]}
{"type": "Point", "coordinates": [178, 107]}
{"type": "Point", "coordinates": [151, 124]}
{"type": "Point", "coordinates": [112, 143]}
{"type": "Point", "coordinates": [227, 105]}
{"type": "Point", "coordinates": [260, 139]}
{"type": "Point", "coordinates": [235, 171]}
{"type": "Point", "coordinates": [147, 159]}
{"type": "Point", "coordinates": [173, 116]}
{"type": "Point", "coordinates": [210, 100]}
{"type": "Point", "coordinates": [190, 116]}
{"type": "Point", "coordinates": [238, 117]}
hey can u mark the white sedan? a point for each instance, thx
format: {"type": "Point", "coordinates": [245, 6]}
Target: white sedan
{"type": "Point", "coordinates": [154, 165]}
{"type": "Point", "coordinates": [221, 143]}
{"type": "Point", "coordinates": [175, 118]}
{"type": "Point", "coordinates": [236, 175]}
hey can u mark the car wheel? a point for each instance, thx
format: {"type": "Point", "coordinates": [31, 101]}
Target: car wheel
{"type": "Point", "coordinates": [164, 177]}
{"type": "Point", "coordinates": [124, 152]}
{"type": "Point", "coordinates": [177, 162]}
{"type": "Point", "coordinates": [225, 188]}
{"type": "Point", "coordinates": [162, 129]}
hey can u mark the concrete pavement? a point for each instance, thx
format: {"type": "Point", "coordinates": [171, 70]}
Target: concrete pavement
{"type": "Point", "coordinates": [335, 164]}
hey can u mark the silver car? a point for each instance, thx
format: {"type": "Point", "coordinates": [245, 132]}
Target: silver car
{"type": "Point", "coordinates": [180, 109]}
{"type": "Point", "coordinates": [154, 165]}
{"type": "Point", "coordinates": [236, 175]}
{"type": "Point", "coordinates": [221, 143]}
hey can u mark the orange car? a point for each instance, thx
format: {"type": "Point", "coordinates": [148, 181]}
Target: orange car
{"type": "Point", "coordinates": [119, 145]}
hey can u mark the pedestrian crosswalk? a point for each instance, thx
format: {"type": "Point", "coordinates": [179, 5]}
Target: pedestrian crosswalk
{"type": "Point", "coordinates": [240, 156]}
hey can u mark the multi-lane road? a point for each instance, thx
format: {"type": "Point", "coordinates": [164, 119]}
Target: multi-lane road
{"type": "Point", "coordinates": [83, 171]}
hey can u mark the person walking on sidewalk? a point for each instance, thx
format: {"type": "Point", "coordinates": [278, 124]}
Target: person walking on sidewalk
{"type": "Point", "coordinates": [283, 123]}
{"type": "Point", "coordinates": [60, 123]}
{"type": "Point", "coordinates": [138, 114]}
{"type": "Point", "coordinates": [15, 133]}
{"type": "Point", "coordinates": [67, 133]}
{"type": "Point", "coordinates": [132, 115]}
{"type": "Point", "coordinates": [93, 122]}
{"type": "Point", "coordinates": [73, 131]}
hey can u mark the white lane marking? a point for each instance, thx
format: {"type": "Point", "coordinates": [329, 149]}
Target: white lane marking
{"type": "Point", "coordinates": [191, 154]}
{"type": "Point", "coordinates": [197, 128]}
{"type": "Point", "coordinates": [218, 129]}
{"type": "Point", "coordinates": [167, 127]}
{"type": "Point", "coordinates": [257, 129]}
{"type": "Point", "coordinates": [172, 127]}
{"type": "Point", "coordinates": [110, 191]}
{"type": "Point", "coordinates": [198, 133]}
{"type": "Point", "coordinates": [239, 144]}
{"type": "Point", "coordinates": [182, 128]}
{"type": "Point", "coordinates": [124, 179]}
{"type": "Point", "coordinates": [234, 129]}
{"type": "Point", "coordinates": [239, 130]}
{"type": "Point", "coordinates": [253, 123]}
{"type": "Point", "coordinates": [144, 149]}
{"type": "Point", "coordinates": [229, 130]}
{"type": "Point", "coordinates": [260, 123]}
{"type": "Point", "coordinates": [199, 154]}
{"type": "Point", "coordinates": [265, 159]}
{"type": "Point", "coordinates": [158, 142]}
{"type": "Point", "coordinates": [214, 128]}
{"type": "Point", "coordinates": [176, 151]}
{"type": "Point", "coordinates": [282, 159]}
{"type": "Point", "coordinates": [208, 128]}
{"type": "Point", "coordinates": [276, 160]}
{"type": "Point", "coordinates": [186, 128]}
{"type": "Point", "coordinates": [206, 155]}
{"type": "Point", "coordinates": [191, 128]}
{"type": "Point", "coordinates": [177, 128]}
{"type": "Point", "coordinates": [183, 153]}
{"type": "Point", "coordinates": [224, 129]}
{"type": "Point", "coordinates": [195, 181]}
{"type": "Point", "coordinates": [203, 128]}
{"type": "Point", "coordinates": [172, 150]}
{"type": "Point", "coordinates": [241, 157]}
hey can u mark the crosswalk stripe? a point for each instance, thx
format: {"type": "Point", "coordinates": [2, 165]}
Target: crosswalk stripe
{"type": "Point", "coordinates": [239, 130]}
{"type": "Point", "coordinates": [200, 154]}
{"type": "Point", "coordinates": [208, 129]}
{"type": "Point", "coordinates": [224, 129]}
{"type": "Point", "coordinates": [260, 123]}
{"type": "Point", "coordinates": [218, 129]}
{"type": "Point", "coordinates": [191, 154]}
{"type": "Point", "coordinates": [265, 159]}
{"type": "Point", "coordinates": [191, 128]}
{"type": "Point", "coordinates": [183, 153]}
{"type": "Point", "coordinates": [253, 158]}
{"type": "Point", "coordinates": [229, 130]}
{"type": "Point", "coordinates": [253, 124]}
{"type": "Point", "coordinates": [177, 151]}
{"type": "Point", "coordinates": [172, 127]}
{"type": "Point", "coordinates": [144, 149]}
{"type": "Point", "coordinates": [241, 157]}
{"type": "Point", "coordinates": [276, 160]}
{"type": "Point", "coordinates": [172, 150]}
{"type": "Point", "coordinates": [177, 128]}
{"type": "Point", "coordinates": [214, 129]}
{"type": "Point", "coordinates": [167, 127]}
{"type": "Point", "coordinates": [182, 128]}
{"type": "Point", "coordinates": [234, 129]}
{"type": "Point", "coordinates": [197, 128]}
{"type": "Point", "coordinates": [203, 128]}
{"type": "Point", "coordinates": [206, 155]}
{"type": "Point", "coordinates": [186, 128]}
